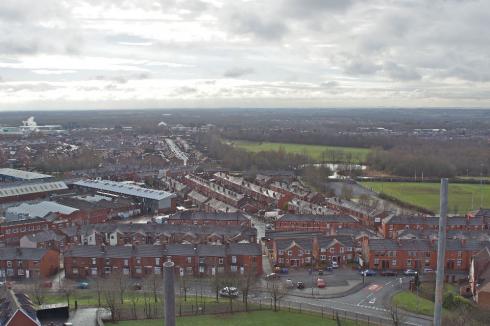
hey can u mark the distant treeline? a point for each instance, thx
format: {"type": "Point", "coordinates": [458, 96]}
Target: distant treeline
{"type": "Point", "coordinates": [311, 138]}
{"type": "Point", "coordinates": [240, 159]}
{"type": "Point", "coordinates": [432, 160]}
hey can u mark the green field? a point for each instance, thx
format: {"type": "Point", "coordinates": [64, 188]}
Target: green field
{"type": "Point", "coordinates": [410, 302]}
{"type": "Point", "coordinates": [461, 196]}
{"type": "Point", "coordinates": [268, 318]}
{"type": "Point", "coordinates": [332, 154]}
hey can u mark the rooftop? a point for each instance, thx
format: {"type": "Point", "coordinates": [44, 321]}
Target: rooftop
{"type": "Point", "coordinates": [26, 189]}
{"type": "Point", "coordinates": [124, 188]}
{"type": "Point", "coordinates": [24, 175]}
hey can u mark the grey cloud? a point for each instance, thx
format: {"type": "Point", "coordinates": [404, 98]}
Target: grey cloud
{"type": "Point", "coordinates": [330, 84]}
{"type": "Point", "coordinates": [185, 90]}
{"type": "Point", "coordinates": [362, 68]}
{"type": "Point", "coordinates": [252, 24]}
{"type": "Point", "coordinates": [309, 8]}
{"type": "Point", "coordinates": [237, 72]}
{"type": "Point", "coordinates": [396, 71]}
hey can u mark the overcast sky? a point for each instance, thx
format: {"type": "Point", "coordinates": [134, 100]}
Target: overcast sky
{"type": "Point", "coordinates": [58, 54]}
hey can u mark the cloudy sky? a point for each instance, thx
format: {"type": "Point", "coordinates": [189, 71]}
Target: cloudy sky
{"type": "Point", "coordinates": [57, 54]}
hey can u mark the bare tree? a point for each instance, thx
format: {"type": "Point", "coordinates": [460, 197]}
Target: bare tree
{"type": "Point", "coordinates": [98, 289]}
{"type": "Point", "coordinates": [154, 283]}
{"type": "Point", "coordinates": [217, 284]}
{"type": "Point", "coordinates": [395, 316]}
{"type": "Point", "coordinates": [134, 299]}
{"type": "Point", "coordinates": [246, 282]}
{"type": "Point", "coordinates": [111, 294]}
{"type": "Point", "coordinates": [68, 290]}
{"type": "Point", "coordinates": [37, 290]}
{"type": "Point", "coordinates": [277, 290]}
{"type": "Point", "coordinates": [120, 281]}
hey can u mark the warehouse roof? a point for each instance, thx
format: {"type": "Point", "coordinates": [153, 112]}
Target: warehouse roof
{"type": "Point", "coordinates": [26, 189]}
{"type": "Point", "coordinates": [24, 175]}
{"type": "Point", "coordinates": [40, 209]}
{"type": "Point", "coordinates": [124, 188]}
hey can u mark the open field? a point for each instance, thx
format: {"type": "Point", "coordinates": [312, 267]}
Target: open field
{"type": "Point", "coordinates": [268, 318]}
{"type": "Point", "coordinates": [332, 154]}
{"type": "Point", "coordinates": [462, 197]}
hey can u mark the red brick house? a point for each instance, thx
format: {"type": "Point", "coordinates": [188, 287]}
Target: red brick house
{"type": "Point", "coordinates": [209, 218]}
{"type": "Point", "coordinates": [142, 260]}
{"type": "Point", "coordinates": [17, 310]}
{"type": "Point", "coordinates": [322, 223]}
{"type": "Point", "coordinates": [20, 263]}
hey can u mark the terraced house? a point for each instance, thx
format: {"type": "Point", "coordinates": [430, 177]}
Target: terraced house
{"type": "Point", "coordinates": [322, 223]}
{"type": "Point", "coordinates": [21, 263]}
{"type": "Point", "coordinates": [144, 260]}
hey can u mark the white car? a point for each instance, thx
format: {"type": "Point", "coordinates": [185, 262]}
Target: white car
{"type": "Point", "coordinates": [289, 283]}
{"type": "Point", "coordinates": [229, 292]}
{"type": "Point", "coordinates": [335, 264]}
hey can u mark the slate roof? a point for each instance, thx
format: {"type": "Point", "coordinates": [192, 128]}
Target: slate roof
{"type": "Point", "coordinates": [16, 253]}
{"type": "Point", "coordinates": [402, 244]}
{"type": "Point", "coordinates": [284, 244]}
{"type": "Point", "coordinates": [124, 189]}
{"type": "Point", "coordinates": [328, 241]}
{"type": "Point", "coordinates": [47, 235]}
{"type": "Point", "coordinates": [244, 249]}
{"type": "Point", "coordinates": [191, 215]}
{"type": "Point", "coordinates": [211, 250]}
{"type": "Point", "coordinates": [318, 218]}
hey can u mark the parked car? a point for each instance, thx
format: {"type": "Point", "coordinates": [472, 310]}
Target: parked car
{"type": "Point", "coordinates": [388, 272]}
{"type": "Point", "coordinates": [428, 270]}
{"type": "Point", "coordinates": [320, 272]}
{"type": "Point", "coordinates": [289, 283]}
{"type": "Point", "coordinates": [229, 292]}
{"type": "Point", "coordinates": [82, 285]}
{"type": "Point", "coordinates": [368, 272]}
{"type": "Point", "coordinates": [329, 268]}
{"type": "Point", "coordinates": [410, 272]}
{"type": "Point", "coordinates": [137, 286]}
{"type": "Point", "coordinates": [320, 282]}
{"type": "Point", "coordinates": [272, 276]}
{"type": "Point", "coordinates": [335, 264]}
{"type": "Point", "coordinates": [282, 270]}
{"type": "Point", "coordinates": [300, 285]}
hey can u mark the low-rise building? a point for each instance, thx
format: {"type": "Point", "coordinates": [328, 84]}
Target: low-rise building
{"type": "Point", "coordinates": [208, 218]}
{"type": "Point", "coordinates": [20, 263]}
{"type": "Point", "coordinates": [323, 223]}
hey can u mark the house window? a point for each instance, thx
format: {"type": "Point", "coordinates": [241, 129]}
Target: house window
{"type": "Point", "coordinates": [201, 269]}
{"type": "Point", "coordinates": [349, 248]}
{"type": "Point", "coordinates": [281, 252]}
{"type": "Point", "coordinates": [308, 252]}
{"type": "Point", "coordinates": [376, 261]}
{"type": "Point", "coordinates": [220, 261]}
{"type": "Point", "coordinates": [233, 259]}
{"type": "Point", "coordinates": [157, 261]}
{"type": "Point", "coordinates": [9, 263]}
{"type": "Point", "coordinates": [341, 250]}
{"type": "Point", "coordinates": [459, 254]}
{"type": "Point", "coordinates": [233, 268]}
{"type": "Point", "coordinates": [409, 262]}
{"type": "Point", "coordinates": [290, 253]}
{"type": "Point", "coordinates": [138, 269]}
{"type": "Point", "coordinates": [189, 260]}
{"type": "Point", "coordinates": [458, 262]}
{"type": "Point", "coordinates": [393, 262]}
{"type": "Point", "coordinates": [202, 260]}
{"type": "Point", "coordinates": [332, 250]}
{"type": "Point", "coordinates": [158, 270]}
{"type": "Point", "coordinates": [308, 260]}
{"type": "Point", "coordinates": [323, 257]}
{"type": "Point", "coordinates": [126, 271]}
{"type": "Point", "coordinates": [280, 260]}
{"type": "Point", "coordinates": [74, 270]}
{"type": "Point", "coordinates": [126, 262]}
{"type": "Point", "coordinates": [94, 261]}
{"type": "Point", "coordinates": [138, 260]}
{"type": "Point", "coordinates": [93, 271]}
{"type": "Point", "coordinates": [107, 269]}
{"type": "Point", "coordinates": [107, 261]}
{"type": "Point", "coordinates": [301, 252]}
{"type": "Point", "coordinates": [323, 249]}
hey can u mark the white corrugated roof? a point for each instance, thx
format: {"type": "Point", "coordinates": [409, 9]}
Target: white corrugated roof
{"type": "Point", "coordinates": [25, 175]}
{"type": "Point", "coordinates": [25, 189]}
{"type": "Point", "coordinates": [125, 189]}
{"type": "Point", "coordinates": [40, 209]}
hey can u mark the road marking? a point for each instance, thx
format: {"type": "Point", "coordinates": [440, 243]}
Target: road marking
{"type": "Point", "coordinates": [372, 301]}
{"type": "Point", "coordinates": [375, 287]}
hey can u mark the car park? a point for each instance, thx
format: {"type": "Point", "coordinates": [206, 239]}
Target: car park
{"type": "Point", "coordinates": [229, 292]}
{"type": "Point", "coordinates": [388, 272]}
{"type": "Point", "coordinates": [320, 282]}
{"type": "Point", "coordinates": [410, 272]}
{"type": "Point", "coordinates": [272, 276]}
{"type": "Point", "coordinates": [368, 272]}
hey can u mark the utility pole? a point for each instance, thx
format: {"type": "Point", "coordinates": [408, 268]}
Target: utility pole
{"type": "Point", "coordinates": [169, 292]}
{"type": "Point", "coordinates": [441, 251]}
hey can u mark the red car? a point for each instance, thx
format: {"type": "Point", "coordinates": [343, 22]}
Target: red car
{"type": "Point", "coordinates": [320, 282]}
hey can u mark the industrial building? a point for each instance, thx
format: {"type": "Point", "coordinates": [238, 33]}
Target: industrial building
{"type": "Point", "coordinates": [151, 200]}
{"type": "Point", "coordinates": [7, 174]}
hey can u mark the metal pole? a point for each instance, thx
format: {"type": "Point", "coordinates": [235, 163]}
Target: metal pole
{"type": "Point", "coordinates": [169, 292]}
{"type": "Point", "coordinates": [441, 251]}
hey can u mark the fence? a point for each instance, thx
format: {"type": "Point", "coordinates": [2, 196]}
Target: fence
{"type": "Point", "coordinates": [224, 307]}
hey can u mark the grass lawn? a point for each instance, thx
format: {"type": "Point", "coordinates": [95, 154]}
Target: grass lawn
{"type": "Point", "coordinates": [408, 301]}
{"type": "Point", "coordinates": [268, 318]}
{"type": "Point", "coordinates": [358, 155]}
{"type": "Point", "coordinates": [427, 194]}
